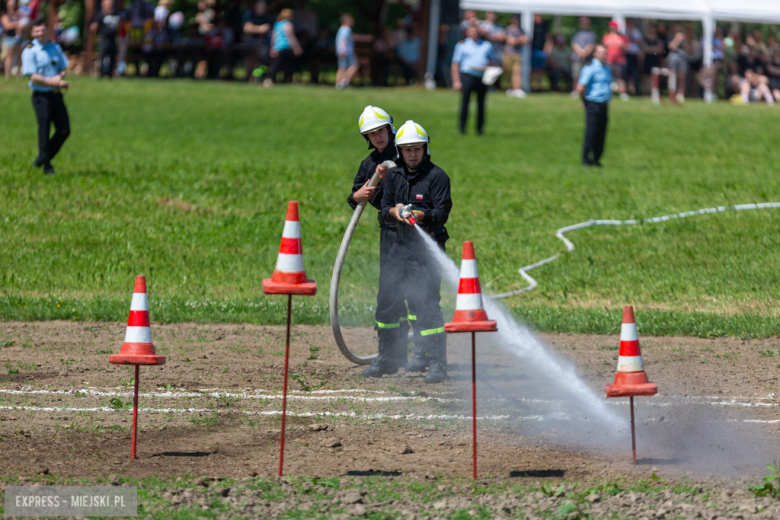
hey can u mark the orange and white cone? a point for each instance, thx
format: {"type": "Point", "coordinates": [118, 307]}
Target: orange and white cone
{"type": "Point", "coordinates": [289, 277]}
{"type": "Point", "coordinates": [631, 379]}
{"type": "Point", "coordinates": [470, 315]}
{"type": "Point", "coordinates": [138, 348]}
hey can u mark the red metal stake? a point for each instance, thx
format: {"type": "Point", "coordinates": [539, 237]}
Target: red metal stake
{"type": "Point", "coordinates": [474, 398]}
{"type": "Point", "coordinates": [135, 411]}
{"type": "Point", "coordinates": [284, 394]}
{"type": "Point", "coordinates": [633, 433]}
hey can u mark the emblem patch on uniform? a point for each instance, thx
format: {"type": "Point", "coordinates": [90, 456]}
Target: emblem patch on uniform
{"type": "Point", "coordinates": [419, 197]}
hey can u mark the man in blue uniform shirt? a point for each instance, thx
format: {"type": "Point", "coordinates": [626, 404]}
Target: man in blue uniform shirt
{"type": "Point", "coordinates": [45, 63]}
{"type": "Point", "coordinates": [469, 60]}
{"type": "Point", "coordinates": [594, 87]}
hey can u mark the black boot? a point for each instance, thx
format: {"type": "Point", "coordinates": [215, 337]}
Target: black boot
{"type": "Point", "coordinates": [402, 344]}
{"type": "Point", "coordinates": [437, 353]}
{"type": "Point", "coordinates": [419, 361]}
{"type": "Point", "coordinates": [385, 363]}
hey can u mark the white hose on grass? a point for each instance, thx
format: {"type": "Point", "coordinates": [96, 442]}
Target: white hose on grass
{"type": "Point", "coordinates": [570, 246]}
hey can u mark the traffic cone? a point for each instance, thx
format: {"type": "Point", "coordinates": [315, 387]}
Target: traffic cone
{"type": "Point", "coordinates": [289, 277]}
{"type": "Point", "coordinates": [138, 348]}
{"type": "Point", "coordinates": [631, 379]}
{"type": "Point", "coordinates": [470, 315]}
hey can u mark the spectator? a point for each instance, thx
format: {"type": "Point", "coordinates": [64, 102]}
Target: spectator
{"type": "Point", "coordinates": [758, 43]}
{"type": "Point", "coordinates": [559, 64]}
{"type": "Point", "coordinates": [162, 11]}
{"type": "Point", "coordinates": [582, 45]}
{"type": "Point", "coordinates": [345, 50]}
{"type": "Point", "coordinates": [513, 57]}
{"type": "Point", "coordinates": [469, 19]}
{"type": "Point", "coordinates": [307, 26]}
{"type": "Point", "coordinates": [469, 60]}
{"type": "Point", "coordinates": [12, 38]}
{"type": "Point", "coordinates": [633, 52]}
{"type": "Point", "coordinates": [257, 31]}
{"type": "Point", "coordinates": [662, 33]}
{"type": "Point", "coordinates": [677, 61]}
{"type": "Point", "coordinates": [773, 71]}
{"type": "Point", "coordinates": [653, 50]}
{"type": "Point", "coordinates": [772, 44]}
{"type": "Point", "coordinates": [205, 16]}
{"type": "Point", "coordinates": [494, 33]}
{"type": "Point", "coordinates": [139, 12]}
{"type": "Point", "coordinates": [593, 86]}
{"type": "Point", "coordinates": [754, 87]}
{"type": "Point", "coordinates": [616, 45]}
{"type": "Point", "coordinates": [708, 77]}
{"type": "Point", "coordinates": [218, 43]}
{"type": "Point", "coordinates": [409, 54]}
{"type": "Point", "coordinates": [540, 49]}
{"type": "Point", "coordinates": [695, 55]}
{"type": "Point", "coordinates": [284, 48]}
{"type": "Point", "coordinates": [106, 25]}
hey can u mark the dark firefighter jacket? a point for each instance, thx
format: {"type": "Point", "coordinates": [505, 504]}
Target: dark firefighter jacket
{"type": "Point", "coordinates": [427, 190]}
{"type": "Point", "coordinates": [366, 171]}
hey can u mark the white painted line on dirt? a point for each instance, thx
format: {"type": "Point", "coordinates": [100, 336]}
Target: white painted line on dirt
{"type": "Point", "coordinates": [409, 417]}
{"type": "Point", "coordinates": [177, 395]}
{"type": "Point", "coordinates": [270, 412]}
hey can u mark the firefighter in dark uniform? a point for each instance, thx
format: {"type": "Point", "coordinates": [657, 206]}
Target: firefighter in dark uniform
{"type": "Point", "coordinates": [376, 127]}
{"type": "Point", "coordinates": [45, 63]}
{"type": "Point", "coordinates": [416, 191]}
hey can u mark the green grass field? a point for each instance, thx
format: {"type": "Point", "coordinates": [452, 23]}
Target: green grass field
{"type": "Point", "coordinates": [188, 183]}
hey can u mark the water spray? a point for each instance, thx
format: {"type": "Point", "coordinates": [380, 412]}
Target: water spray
{"type": "Point", "coordinates": [518, 340]}
{"type": "Point", "coordinates": [336, 279]}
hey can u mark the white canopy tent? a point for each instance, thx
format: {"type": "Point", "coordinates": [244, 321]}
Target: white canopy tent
{"type": "Point", "coordinates": [707, 11]}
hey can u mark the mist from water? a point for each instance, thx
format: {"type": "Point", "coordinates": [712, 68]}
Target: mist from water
{"type": "Point", "coordinates": [517, 340]}
{"type": "Point", "coordinates": [559, 406]}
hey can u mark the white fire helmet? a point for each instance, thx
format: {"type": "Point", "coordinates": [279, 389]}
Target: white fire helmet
{"type": "Point", "coordinates": [412, 133]}
{"type": "Point", "coordinates": [373, 118]}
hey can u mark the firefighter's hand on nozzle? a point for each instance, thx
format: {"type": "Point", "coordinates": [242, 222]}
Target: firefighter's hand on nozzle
{"type": "Point", "coordinates": [406, 214]}
{"type": "Point", "coordinates": [365, 193]}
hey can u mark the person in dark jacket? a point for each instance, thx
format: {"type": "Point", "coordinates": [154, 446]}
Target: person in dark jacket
{"type": "Point", "coordinates": [376, 127]}
{"type": "Point", "coordinates": [411, 273]}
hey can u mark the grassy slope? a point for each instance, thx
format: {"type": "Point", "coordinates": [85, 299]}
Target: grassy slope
{"type": "Point", "coordinates": [187, 183]}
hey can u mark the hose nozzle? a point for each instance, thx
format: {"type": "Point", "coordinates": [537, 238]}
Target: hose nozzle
{"type": "Point", "coordinates": [407, 213]}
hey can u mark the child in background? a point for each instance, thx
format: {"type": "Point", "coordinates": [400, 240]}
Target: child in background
{"type": "Point", "coordinates": [345, 50]}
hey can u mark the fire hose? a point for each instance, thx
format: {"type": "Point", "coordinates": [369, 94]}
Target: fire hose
{"type": "Point", "coordinates": [336, 279]}
{"type": "Point", "coordinates": [570, 246]}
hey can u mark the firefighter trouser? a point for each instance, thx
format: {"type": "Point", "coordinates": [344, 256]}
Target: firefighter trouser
{"type": "Point", "coordinates": [409, 275]}
{"type": "Point", "coordinates": [399, 315]}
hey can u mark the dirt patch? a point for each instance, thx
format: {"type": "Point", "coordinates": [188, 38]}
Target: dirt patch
{"type": "Point", "coordinates": [213, 408]}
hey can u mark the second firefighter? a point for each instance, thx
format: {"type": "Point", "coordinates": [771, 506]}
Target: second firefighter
{"type": "Point", "coordinates": [411, 274]}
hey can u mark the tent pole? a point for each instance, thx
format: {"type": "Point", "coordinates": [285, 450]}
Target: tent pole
{"type": "Point", "coordinates": [708, 28]}
{"type": "Point", "coordinates": [621, 20]}
{"type": "Point", "coordinates": [434, 21]}
{"type": "Point", "coordinates": [527, 22]}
